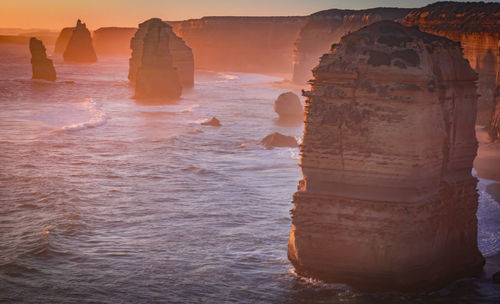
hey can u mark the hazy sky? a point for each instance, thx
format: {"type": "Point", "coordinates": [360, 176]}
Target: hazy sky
{"type": "Point", "coordinates": [55, 14]}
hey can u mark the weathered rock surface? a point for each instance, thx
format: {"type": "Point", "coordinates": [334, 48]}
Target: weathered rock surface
{"type": "Point", "coordinates": [278, 140]}
{"type": "Point", "coordinates": [242, 44]}
{"type": "Point", "coordinates": [80, 47]}
{"type": "Point", "coordinates": [156, 75]}
{"type": "Point", "coordinates": [288, 106]}
{"type": "Point", "coordinates": [476, 25]}
{"type": "Point", "coordinates": [494, 127]}
{"type": "Point", "coordinates": [63, 39]}
{"type": "Point", "coordinates": [113, 41]}
{"type": "Point", "coordinates": [327, 27]}
{"type": "Point", "coordinates": [182, 56]}
{"type": "Point", "coordinates": [42, 67]}
{"type": "Point", "coordinates": [214, 122]}
{"type": "Point", "coordinates": [387, 200]}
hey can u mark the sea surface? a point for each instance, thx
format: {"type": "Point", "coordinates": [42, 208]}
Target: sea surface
{"type": "Point", "coordinates": [106, 200]}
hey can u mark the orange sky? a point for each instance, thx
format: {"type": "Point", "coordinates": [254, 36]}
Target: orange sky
{"type": "Point", "coordinates": [54, 14]}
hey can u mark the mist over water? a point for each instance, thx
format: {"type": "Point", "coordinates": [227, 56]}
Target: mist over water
{"type": "Point", "coordinates": [105, 200]}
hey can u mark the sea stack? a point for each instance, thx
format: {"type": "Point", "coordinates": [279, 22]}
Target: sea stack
{"type": "Point", "coordinates": [42, 67]}
{"type": "Point", "coordinates": [182, 55]}
{"type": "Point", "coordinates": [156, 76]}
{"type": "Point", "coordinates": [80, 47]}
{"type": "Point", "coordinates": [63, 39]}
{"type": "Point", "coordinates": [288, 107]}
{"type": "Point", "coordinates": [387, 200]}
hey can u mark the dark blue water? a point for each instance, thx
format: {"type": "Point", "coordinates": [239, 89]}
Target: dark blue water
{"type": "Point", "coordinates": [103, 200]}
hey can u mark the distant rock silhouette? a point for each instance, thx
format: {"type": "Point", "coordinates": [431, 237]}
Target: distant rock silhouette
{"type": "Point", "coordinates": [80, 48]}
{"type": "Point", "coordinates": [182, 55]}
{"type": "Point", "coordinates": [278, 140]}
{"type": "Point", "coordinates": [212, 122]}
{"type": "Point", "coordinates": [288, 107]}
{"type": "Point", "coordinates": [156, 76]}
{"type": "Point", "coordinates": [63, 39]}
{"type": "Point", "coordinates": [42, 67]}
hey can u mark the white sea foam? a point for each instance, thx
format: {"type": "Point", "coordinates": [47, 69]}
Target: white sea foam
{"type": "Point", "coordinates": [98, 117]}
{"type": "Point", "coordinates": [190, 108]}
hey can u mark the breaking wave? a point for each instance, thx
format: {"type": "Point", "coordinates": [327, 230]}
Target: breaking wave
{"type": "Point", "coordinates": [98, 117]}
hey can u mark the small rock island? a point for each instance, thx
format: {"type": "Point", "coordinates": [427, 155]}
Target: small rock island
{"type": "Point", "coordinates": [41, 66]}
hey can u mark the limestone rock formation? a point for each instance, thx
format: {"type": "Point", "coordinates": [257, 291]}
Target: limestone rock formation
{"type": "Point", "coordinates": [494, 127]}
{"type": "Point", "coordinates": [278, 140]}
{"type": "Point", "coordinates": [42, 67]}
{"type": "Point", "coordinates": [156, 75]}
{"type": "Point", "coordinates": [327, 27]}
{"type": "Point", "coordinates": [63, 39]}
{"type": "Point", "coordinates": [182, 56]}
{"type": "Point", "coordinates": [80, 47]}
{"type": "Point", "coordinates": [214, 122]}
{"type": "Point", "coordinates": [113, 41]}
{"type": "Point", "coordinates": [288, 106]}
{"type": "Point", "coordinates": [387, 200]}
{"type": "Point", "coordinates": [476, 25]}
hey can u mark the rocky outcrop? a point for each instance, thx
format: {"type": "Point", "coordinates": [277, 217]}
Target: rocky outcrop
{"type": "Point", "coordinates": [387, 200]}
{"type": "Point", "coordinates": [327, 27]}
{"type": "Point", "coordinates": [113, 41]}
{"type": "Point", "coordinates": [80, 47]}
{"type": "Point", "coordinates": [278, 140]}
{"type": "Point", "coordinates": [156, 75]}
{"type": "Point", "coordinates": [63, 39]}
{"type": "Point", "coordinates": [42, 67]}
{"type": "Point", "coordinates": [494, 126]}
{"type": "Point", "coordinates": [476, 25]}
{"type": "Point", "coordinates": [214, 122]}
{"type": "Point", "coordinates": [241, 44]}
{"type": "Point", "coordinates": [288, 107]}
{"type": "Point", "coordinates": [182, 56]}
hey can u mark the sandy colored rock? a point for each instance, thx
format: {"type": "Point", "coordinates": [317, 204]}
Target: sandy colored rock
{"type": "Point", "coordinates": [288, 106]}
{"type": "Point", "coordinates": [387, 200]}
{"type": "Point", "coordinates": [182, 56]}
{"type": "Point", "coordinates": [212, 122]}
{"type": "Point", "coordinates": [80, 47]}
{"type": "Point", "coordinates": [42, 67]}
{"type": "Point", "coordinates": [156, 76]}
{"type": "Point", "coordinates": [278, 140]}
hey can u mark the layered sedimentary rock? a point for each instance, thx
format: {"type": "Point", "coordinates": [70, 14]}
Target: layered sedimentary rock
{"type": "Point", "coordinates": [80, 47]}
{"type": "Point", "coordinates": [476, 25]}
{"type": "Point", "coordinates": [327, 27]}
{"type": "Point", "coordinates": [387, 200]}
{"type": "Point", "coordinates": [156, 75]}
{"type": "Point", "coordinates": [42, 67]}
{"type": "Point", "coordinates": [63, 39]}
{"type": "Point", "coordinates": [113, 41]}
{"type": "Point", "coordinates": [288, 107]}
{"type": "Point", "coordinates": [182, 56]}
{"type": "Point", "coordinates": [244, 44]}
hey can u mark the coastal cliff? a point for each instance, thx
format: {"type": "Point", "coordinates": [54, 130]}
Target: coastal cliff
{"type": "Point", "coordinates": [241, 44]}
{"type": "Point", "coordinates": [41, 66]}
{"type": "Point", "coordinates": [182, 56]}
{"type": "Point", "coordinates": [327, 27]}
{"type": "Point", "coordinates": [80, 47]}
{"type": "Point", "coordinates": [156, 76]}
{"type": "Point", "coordinates": [113, 41]}
{"type": "Point", "coordinates": [476, 25]}
{"type": "Point", "coordinates": [387, 200]}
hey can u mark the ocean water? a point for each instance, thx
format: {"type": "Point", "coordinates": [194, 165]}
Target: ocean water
{"type": "Point", "coordinates": [106, 200]}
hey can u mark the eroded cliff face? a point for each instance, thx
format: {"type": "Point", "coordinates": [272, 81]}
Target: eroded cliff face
{"type": "Point", "coordinates": [477, 27]}
{"type": "Point", "coordinates": [156, 75]}
{"type": "Point", "coordinates": [63, 39]}
{"type": "Point", "coordinates": [113, 41]}
{"type": "Point", "coordinates": [41, 66]}
{"type": "Point", "coordinates": [241, 44]}
{"type": "Point", "coordinates": [80, 47]}
{"type": "Point", "coordinates": [387, 200]}
{"type": "Point", "coordinates": [182, 56]}
{"type": "Point", "coordinates": [327, 27]}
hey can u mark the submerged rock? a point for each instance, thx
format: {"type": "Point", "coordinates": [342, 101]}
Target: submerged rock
{"type": "Point", "coordinates": [80, 47]}
{"type": "Point", "coordinates": [288, 107]}
{"type": "Point", "coordinates": [42, 67]}
{"type": "Point", "coordinates": [156, 76]}
{"type": "Point", "coordinates": [182, 56]}
{"type": "Point", "coordinates": [278, 140]}
{"type": "Point", "coordinates": [212, 122]}
{"type": "Point", "coordinates": [387, 200]}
